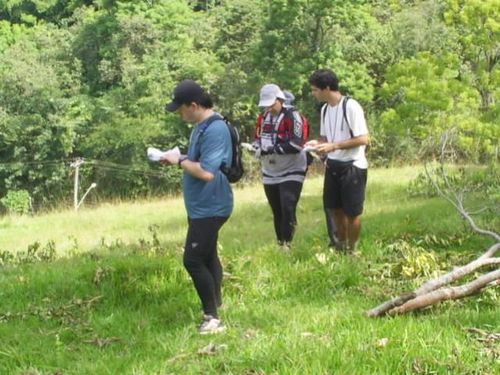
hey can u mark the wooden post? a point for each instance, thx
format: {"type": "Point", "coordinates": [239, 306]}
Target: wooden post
{"type": "Point", "coordinates": [76, 164]}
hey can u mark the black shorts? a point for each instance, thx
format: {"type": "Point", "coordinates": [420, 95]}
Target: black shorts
{"type": "Point", "coordinates": [344, 187]}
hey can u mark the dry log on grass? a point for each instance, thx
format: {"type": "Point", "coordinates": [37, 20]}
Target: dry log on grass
{"type": "Point", "coordinates": [448, 293]}
{"type": "Point", "coordinates": [397, 305]}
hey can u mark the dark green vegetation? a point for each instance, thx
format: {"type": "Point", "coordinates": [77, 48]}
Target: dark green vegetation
{"type": "Point", "coordinates": [83, 78]}
{"type": "Point", "coordinates": [128, 307]}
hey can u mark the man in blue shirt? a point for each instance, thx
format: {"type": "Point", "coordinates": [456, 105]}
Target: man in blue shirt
{"type": "Point", "coordinates": [207, 194]}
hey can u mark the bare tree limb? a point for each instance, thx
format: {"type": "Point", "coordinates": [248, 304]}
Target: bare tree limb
{"type": "Point", "coordinates": [458, 204]}
{"type": "Point", "coordinates": [433, 285]}
{"type": "Point", "coordinates": [386, 306]}
{"type": "Point", "coordinates": [491, 251]}
{"type": "Point", "coordinates": [456, 199]}
{"type": "Point", "coordinates": [455, 275]}
{"type": "Point", "coordinates": [450, 293]}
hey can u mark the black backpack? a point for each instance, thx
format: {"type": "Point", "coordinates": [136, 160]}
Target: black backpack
{"type": "Point", "coordinates": [236, 170]}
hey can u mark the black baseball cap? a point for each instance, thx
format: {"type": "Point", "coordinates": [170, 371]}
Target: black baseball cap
{"type": "Point", "coordinates": [186, 92]}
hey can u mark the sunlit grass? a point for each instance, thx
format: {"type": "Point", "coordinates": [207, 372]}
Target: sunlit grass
{"type": "Point", "coordinates": [125, 304]}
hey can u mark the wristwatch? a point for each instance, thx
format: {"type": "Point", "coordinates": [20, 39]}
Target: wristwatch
{"type": "Point", "coordinates": [181, 159]}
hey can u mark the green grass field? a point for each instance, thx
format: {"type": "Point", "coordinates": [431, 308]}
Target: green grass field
{"type": "Point", "coordinates": [103, 291]}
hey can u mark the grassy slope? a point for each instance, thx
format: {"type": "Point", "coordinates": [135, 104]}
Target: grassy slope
{"type": "Point", "coordinates": [287, 313]}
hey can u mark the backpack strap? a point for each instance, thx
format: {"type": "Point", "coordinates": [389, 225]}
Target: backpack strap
{"type": "Point", "coordinates": [206, 124]}
{"type": "Point", "coordinates": [235, 137]}
{"type": "Point", "coordinates": [288, 114]}
{"type": "Point", "coordinates": [258, 126]}
{"type": "Point", "coordinates": [291, 113]}
{"type": "Point", "coordinates": [292, 144]}
{"type": "Point", "coordinates": [344, 115]}
{"type": "Point", "coordinates": [344, 110]}
{"type": "Point", "coordinates": [277, 123]}
{"type": "Point", "coordinates": [323, 112]}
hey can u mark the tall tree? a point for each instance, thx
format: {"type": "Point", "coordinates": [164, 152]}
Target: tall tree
{"type": "Point", "coordinates": [477, 24]}
{"type": "Point", "coordinates": [424, 97]}
{"type": "Point", "coordinates": [39, 92]}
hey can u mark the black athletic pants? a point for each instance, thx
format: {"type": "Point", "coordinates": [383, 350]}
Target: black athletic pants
{"type": "Point", "coordinates": [202, 261]}
{"type": "Point", "coordinates": [283, 199]}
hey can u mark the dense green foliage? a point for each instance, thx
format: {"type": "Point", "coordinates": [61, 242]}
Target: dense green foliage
{"type": "Point", "coordinates": [115, 298]}
{"type": "Point", "coordinates": [84, 78]}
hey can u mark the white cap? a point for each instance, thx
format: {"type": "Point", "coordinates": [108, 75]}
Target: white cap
{"type": "Point", "coordinates": [289, 98]}
{"type": "Point", "coordinates": [269, 93]}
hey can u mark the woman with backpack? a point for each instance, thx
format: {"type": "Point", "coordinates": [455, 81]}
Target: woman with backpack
{"type": "Point", "coordinates": [280, 134]}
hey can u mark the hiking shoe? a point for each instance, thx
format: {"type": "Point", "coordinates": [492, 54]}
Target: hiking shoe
{"type": "Point", "coordinates": [341, 246]}
{"type": "Point", "coordinates": [286, 246]}
{"type": "Point", "coordinates": [211, 325]}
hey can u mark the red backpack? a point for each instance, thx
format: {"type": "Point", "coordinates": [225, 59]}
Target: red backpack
{"type": "Point", "coordinates": [286, 124]}
{"type": "Point", "coordinates": [305, 123]}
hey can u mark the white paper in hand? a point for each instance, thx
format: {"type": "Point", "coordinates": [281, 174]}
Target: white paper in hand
{"type": "Point", "coordinates": [247, 146]}
{"type": "Point", "coordinates": [309, 149]}
{"type": "Point", "coordinates": [156, 155]}
{"type": "Point", "coordinates": [175, 151]}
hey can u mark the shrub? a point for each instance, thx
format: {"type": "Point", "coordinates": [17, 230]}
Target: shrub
{"type": "Point", "coordinates": [469, 179]}
{"type": "Point", "coordinates": [18, 201]}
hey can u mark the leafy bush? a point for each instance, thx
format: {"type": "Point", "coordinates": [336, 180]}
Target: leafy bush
{"type": "Point", "coordinates": [33, 254]}
{"type": "Point", "coordinates": [18, 201]}
{"type": "Point", "coordinates": [469, 179]}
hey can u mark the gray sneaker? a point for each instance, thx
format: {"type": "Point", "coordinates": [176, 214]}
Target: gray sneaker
{"type": "Point", "coordinates": [211, 325]}
{"type": "Point", "coordinates": [286, 247]}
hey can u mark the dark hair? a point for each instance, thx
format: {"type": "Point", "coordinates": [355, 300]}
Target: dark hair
{"type": "Point", "coordinates": [205, 100]}
{"type": "Point", "coordinates": [324, 78]}
{"type": "Point", "coordinates": [187, 92]}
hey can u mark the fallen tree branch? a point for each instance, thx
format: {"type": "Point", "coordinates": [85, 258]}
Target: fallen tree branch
{"type": "Point", "coordinates": [455, 275]}
{"type": "Point", "coordinates": [491, 251]}
{"type": "Point", "coordinates": [449, 293]}
{"type": "Point", "coordinates": [432, 285]}
{"type": "Point", "coordinates": [386, 306]}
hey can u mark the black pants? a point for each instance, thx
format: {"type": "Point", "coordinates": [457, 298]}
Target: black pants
{"type": "Point", "coordinates": [283, 199]}
{"type": "Point", "coordinates": [202, 261]}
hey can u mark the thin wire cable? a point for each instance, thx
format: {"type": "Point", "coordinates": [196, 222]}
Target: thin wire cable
{"type": "Point", "coordinates": [100, 164]}
{"type": "Point", "coordinates": [131, 171]}
{"type": "Point", "coordinates": [37, 162]}
{"type": "Point", "coordinates": [125, 168]}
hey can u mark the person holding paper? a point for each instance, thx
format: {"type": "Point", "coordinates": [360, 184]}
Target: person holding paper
{"type": "Point", "coordinates": [344, 136]}
{"type": "Point", "coordinates": [207, 194]}
{"type": "Point", "coordinates": [279, 137]}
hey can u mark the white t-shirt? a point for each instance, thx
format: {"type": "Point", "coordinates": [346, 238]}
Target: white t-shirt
{"type": "Point", "coordinates": [335, 129]}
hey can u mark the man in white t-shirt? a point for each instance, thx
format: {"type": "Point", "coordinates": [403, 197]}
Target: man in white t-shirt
{"type": "Point", "coordinates": [344, 136]}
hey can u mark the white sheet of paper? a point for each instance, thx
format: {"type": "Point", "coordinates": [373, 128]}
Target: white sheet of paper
{"type": "Point", "coordinates": [309, 149]}
{"type": "Point", "coordinates": [247, 146]}
{"type": "Point", "coordinates": [156, 155]}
